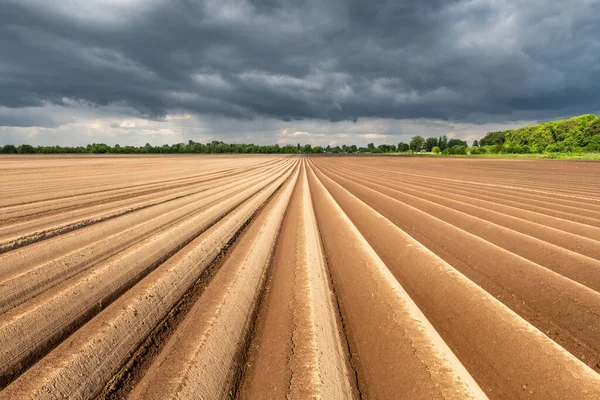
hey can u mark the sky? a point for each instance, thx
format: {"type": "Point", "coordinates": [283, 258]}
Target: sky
{"type": "Point", "coordinates": [74, 72]}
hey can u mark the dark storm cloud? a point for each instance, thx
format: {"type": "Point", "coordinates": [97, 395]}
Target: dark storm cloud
{"type": "Point", "coordinates": [341, 60]}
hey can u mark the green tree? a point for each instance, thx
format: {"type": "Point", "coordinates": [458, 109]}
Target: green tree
{"type": "Point", "coordinates": [416, 143]}
{"type": "Point", "coordinates": [594, 144]}
{"type": "Point", "coordinates": [403, 147]}
{"type": "Point", "coordinates": [9, 149]}
{"type": "Point", "coordinates": [430, 143]}
{"type": "Point", "coordinates": [493, 138]}
{"type": "Point", "coordinates": [443, 142]}
{"type": "Point", "coordinates": [456, 142]}
{"type": "Point", "coordinates": [26, 149]}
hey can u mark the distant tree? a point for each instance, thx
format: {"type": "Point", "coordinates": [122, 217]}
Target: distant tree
{"type": "Point", "coordinates": [9, 149]}
{"type": "Point", "coordinates": [403, 147]}
{"type": "Point", "coordinates": [386, 148]}
{"type": "Point", "coordinates": [443, 142]}
{"type": "Point", "coordinates": [288, 149]}
{"type": "Point", "coordinates": [148, 148]}
{"type": "Point", "coordinates": [416, 143]}
{"type": "Point", "coordinates": [475, 143]}
{"type": "Point", "coordinates": [492, 138]}
{"type": "Point", "coordinates": [317, 150]}
{"type": "Point", "coordinates": [591, 131]}
{"type": "Point", "coordinates": [456, 142]}
{"type": "Point", "coordinates": [26, 149]}
{"type": "Point", "coordinates": [436, 150]}
{"type": "Point", "coordinates": [430, 143]}
{"type": "Point", "coordinates": [307, 149]}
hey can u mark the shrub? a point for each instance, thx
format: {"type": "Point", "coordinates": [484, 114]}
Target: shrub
{"type": "Point", "coordinates": [435, 150]}
{"type": "Point", "coordinates": [594, 144]}
{"type": "Point", "coordinates": [512, 149]}
{"type": "Point", "coordinates": [495, 149]}
{"type": "Point", "coordinates": [456, 150]}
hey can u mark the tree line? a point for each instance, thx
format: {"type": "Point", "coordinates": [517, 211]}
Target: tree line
{"type": "Point", "coordinates": [218, 147]}
{"type": "Point", "coordinates": [577, 134]}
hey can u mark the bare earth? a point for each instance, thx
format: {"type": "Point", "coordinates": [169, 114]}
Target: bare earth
{"type": "Point", "coordinates": [271, 277]}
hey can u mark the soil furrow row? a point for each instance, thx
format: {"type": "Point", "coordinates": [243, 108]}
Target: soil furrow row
{"type": "Point", "coordinates": [29, 330]}
{"type": "Point", "coordinates": [14, 236]}
{"type": "Point", "coordinates": [20, 284]}
{"type": "Point", "coordinates": [311, 361]}
{"type": "Point", "coordinates": [106, 342]}
{"type": "Point", "coordinates": [487, 337]}
{"type": "Point", "coordinates": [539, 295]}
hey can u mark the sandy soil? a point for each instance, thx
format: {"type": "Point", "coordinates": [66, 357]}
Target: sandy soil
{"type": "Point", "coordinates": [292, 277]}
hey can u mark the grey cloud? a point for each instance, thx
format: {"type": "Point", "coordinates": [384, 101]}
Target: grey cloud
{"type": "Point", "coordinates": [466, 61]}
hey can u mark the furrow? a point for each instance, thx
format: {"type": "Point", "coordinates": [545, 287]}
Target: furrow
{"type": "Point", "coordinates": [22, 234]}
{"type": "Point", "coordinates": [511, 194]}
{"type": "Point", "coordinates": [299, 317]}
{"type": "Point", "coordinates": [80, 194]}
{"type": "Point", "coordinates": [204, 356]}
{"type": "Point", "coordinates": [506, 355]}
{"type": "Point", "coordinates": [396, 350]}
{"type": "Point", "coordinates": [559, 306]}
{"type": "Point", "coordinates": [43, 252]}
{"type": "Point", "coordinates": [547, 211]}
{"type": "Point", "coordinates": [105, 343]}
{"type": "Point", "coordinates": [32, 329]}
{"type": "Point", "coordinates": [570, 255]}
{"type": "Point", "coordinates": [20, 285]}
{"type": "Point", "coordinates": [49, 208]}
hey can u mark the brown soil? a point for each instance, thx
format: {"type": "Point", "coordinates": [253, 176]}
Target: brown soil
{"type": "Point", "coordinates": [290, 277]}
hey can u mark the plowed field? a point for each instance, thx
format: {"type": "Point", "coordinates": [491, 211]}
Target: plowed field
{"type": "Point", "coordinates": [271, 277]}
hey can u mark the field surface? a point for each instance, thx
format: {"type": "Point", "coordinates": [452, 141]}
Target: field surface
{"type": "Point", "coordinates": [268, 277]}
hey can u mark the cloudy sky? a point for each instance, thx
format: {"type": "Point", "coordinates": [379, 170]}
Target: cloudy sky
{"type": "Point", "coordinates": [74, 72]}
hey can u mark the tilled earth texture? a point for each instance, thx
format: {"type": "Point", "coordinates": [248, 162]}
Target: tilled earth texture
{"type": "Point", "coordinates": [272, 277]}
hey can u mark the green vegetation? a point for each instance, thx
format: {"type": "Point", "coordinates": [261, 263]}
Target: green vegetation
{"type": "Point", "coordinates": [574, 135]}
{"type": "Point", "coordinates": [214, 147]}
{"type": "Point", "coordinates": [577, 137]}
